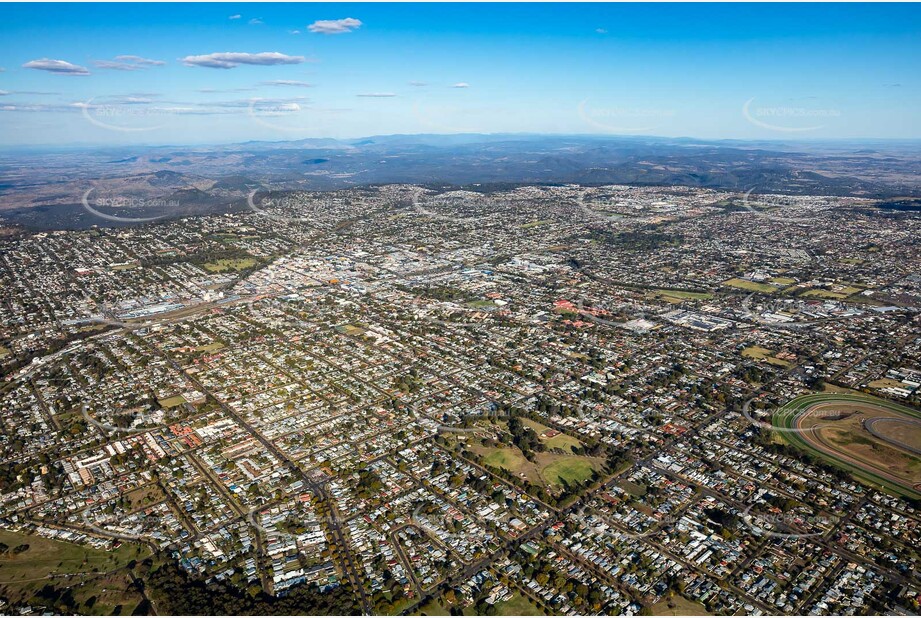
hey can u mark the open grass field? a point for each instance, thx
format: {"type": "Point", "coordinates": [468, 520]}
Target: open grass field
{"type": "Point", "coordinates": [567, 470]}
{"type": "Point", "coordinates": [171, 402]}
{"type": "Point", "coordinates": [634, 489]}
{"type": "Point", "coordinates": [510, 459]}
{"type": "Point", "coordinates": [551, 470]}
{"type": "Point", "coordinates": [144, 496]}
{"type": "Point", "coordinates": [886, 383]}
{"type": "Point", "coordinates": [824, 294]}
{"type": "Point", "coordinates": [837, 428]}
{"type": "Point", "coordinates": [677, 605]}
{"type": "Point", "coordinates": [518, 605]}
{"type": "Point", "coordinates": [351, 329]}
{"type": "Point", "coordinates": [433, 608]}
{"type": "Point", "coordinates": [763, 354]}
{"type": "Point", "coordinates": [87, 571]}
{"type": "Point", "coordinates": [756, 352]}
{"type": "Point", "coordinates": [837, 293]}
{"type": "Point", "coordinates": [533, 224]}
{"type": "Point", "coordinates": [220, 266]}
{"type": "Point", "coordinates": [678, 296]}
{"type": "Point", "coordinates": [751, 286]}
{"type": "Point", "coordinates": [211, 347]}
{"type": "Point", "coordinates": [46, 556]}
{"type": "Point", "coordinates": [902, 433]}
{"type": "Point", "coordinates": [126, 266]}
{"type": "Point", "coordinates": [832, 388]}
{"type": "Point", "coordinates": [561, 441]}
{"type": "Point", "coordinates": [778, 362]}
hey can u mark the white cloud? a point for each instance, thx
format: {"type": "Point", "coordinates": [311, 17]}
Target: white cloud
{"type": "Point", "coordinates": [255, 21]}
{"type": "Point", "coordinates": [233, 107]}
{"type": "Point", "coordinates": [235, 17]}
{"type": "Point", "coordinates": [224, 90]}
{"type": "Point", "coordinates": [56, 66]}
{"type": "Point", "coordinates": [3, 93]}
{"type": "Point", "coordinates": [140, 60]}
{"type": "Point", "coordinates": [376, 95]}
{"type": "Point", "coordinates": [286, 82]}
{"type": "Point", "coordinates": [36, 107]}
{"type": "Point", "coordinates": [41, 92]}
{"type": "Point", "coordinates": [229, 60]}
{"type": "Point", "coordinates": [132, 100]}
{"type": "Point", "coordinates": [335, 26]}
{"type": "Point", "coordinates": [116, 66]}
{"type": "Point", "coordinates": [461, 85]}
{"type": "Point", "coordinates": [601, 31]}
{"type": "Point", "coordinates": [256, 101]}
{"type": "Point", "coordinates": [294, 31]}
{"type": "Point", "coordinates": [127, 63]}
{"type": "Point", "coordinates": [418, 84]}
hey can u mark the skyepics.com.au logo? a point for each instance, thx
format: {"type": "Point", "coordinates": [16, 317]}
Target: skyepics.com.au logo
{"type": "Point", "coordinates": [454, 206]}
{"type": "Point", "coordinates": [815, 415]}
{"type": "Point", "coordinates": [586, 203]}
{"type": "Point", "coordinates": [784, 525]}
{"type": "Point", "coordinates": [286, 209]}
{"type": "Point", "coordinates": [780, 208]}
{"type": "Point", "coordinates": [279, 115]}
{"type": "Point", "coordinates": [117, 208]}
{"type": "Point", "coordinates": [620, 119]}
{"type": "Point", "coordinates": [298, 116]}
{"type": "Point", "coordinates": [440, 118]}
{"type": "Point", "coordinates": [124, 115]}
{"type": "Point", "coordinates": [789, 118]}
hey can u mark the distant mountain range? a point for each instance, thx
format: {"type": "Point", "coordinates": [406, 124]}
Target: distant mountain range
{"type": "Point", "coordinates": [43, 189]}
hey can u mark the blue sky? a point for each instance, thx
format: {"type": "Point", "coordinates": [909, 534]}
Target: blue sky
{"type": "Point", "coordinates": [151, 74]}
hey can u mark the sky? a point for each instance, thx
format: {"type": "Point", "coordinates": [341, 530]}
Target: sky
{"type": "Point", "coordinates": [126, 74]}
